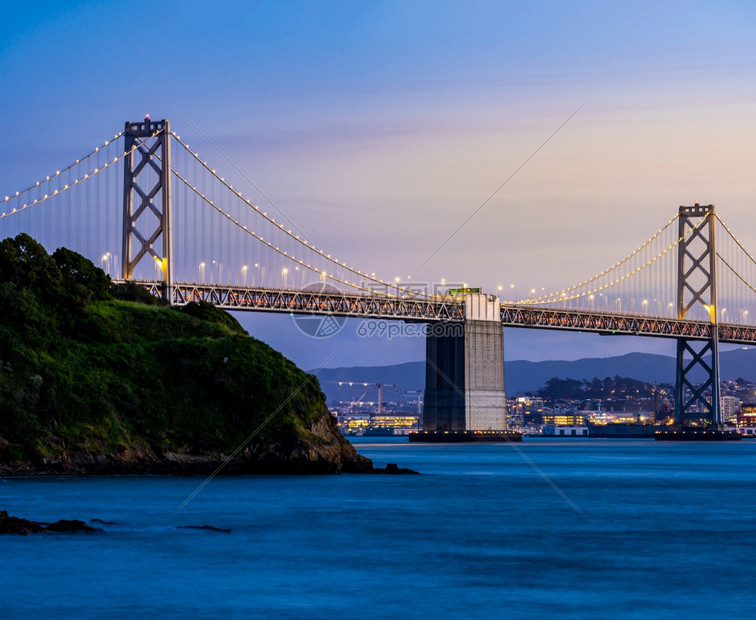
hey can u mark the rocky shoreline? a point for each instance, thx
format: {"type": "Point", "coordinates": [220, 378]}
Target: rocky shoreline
{"type": "Point", "coordinates": [330, 453]}
{"type": "Point", "coordinates": [325, 452]}
{"type": "Point", "coordinates": [183, 465]}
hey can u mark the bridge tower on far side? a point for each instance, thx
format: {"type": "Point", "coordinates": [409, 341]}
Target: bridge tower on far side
{"type": "Point", "coordinates": [697, 284]}
{"type": "Point", "coordinates": [147, 229]}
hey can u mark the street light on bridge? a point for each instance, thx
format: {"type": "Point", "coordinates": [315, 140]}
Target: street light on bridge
{"type": "Point", "coordinates": [220, 273]}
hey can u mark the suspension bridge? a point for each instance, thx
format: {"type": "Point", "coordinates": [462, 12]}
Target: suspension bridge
{"type": "Point", "coordinates": [147, 208]}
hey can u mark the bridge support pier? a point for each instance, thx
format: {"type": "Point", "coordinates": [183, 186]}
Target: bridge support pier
{"type": "Point", "coordinates": [464, 372]}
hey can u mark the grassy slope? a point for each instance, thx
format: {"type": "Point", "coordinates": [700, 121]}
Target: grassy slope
{"type": "Point", "coordinates": [116, 377]}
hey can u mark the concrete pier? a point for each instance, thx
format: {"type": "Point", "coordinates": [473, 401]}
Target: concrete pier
{"type": "Point", "coordinates": [464, 376]}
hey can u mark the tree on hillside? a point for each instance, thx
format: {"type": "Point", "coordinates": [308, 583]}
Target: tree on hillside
{"type": "Point", "coordinates": [78, 272]}
{"type": "Point", "coordinates": [558, 389]}
{"type": "Point", "coordinates": [25, 263]}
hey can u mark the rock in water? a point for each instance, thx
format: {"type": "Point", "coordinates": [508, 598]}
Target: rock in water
{"type": "Point", "coordinates": [15, 525]}
{"type": "Point", "coordinates": [69, 526]}
{"type": "Point", "coordinates": [211, 528]}
{"type": "Point", "coordinates": [393, 468]}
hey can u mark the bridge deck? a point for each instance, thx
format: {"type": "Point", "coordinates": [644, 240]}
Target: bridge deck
{"type": "Point", "coordinates": [446, 309]}
{"type": "Point", "coordinates": [315, 302]}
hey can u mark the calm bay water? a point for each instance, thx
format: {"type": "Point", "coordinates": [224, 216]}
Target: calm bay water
{"type": "Point", "coordinates": [661, 531]}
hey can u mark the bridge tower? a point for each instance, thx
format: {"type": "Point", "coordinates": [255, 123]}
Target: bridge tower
{"type": "Point", "coordinates": [464, 370]}
{"type": "Point", "coordinates": [697, 284]}
{"type": "Point", "coordinates": [147, 229]}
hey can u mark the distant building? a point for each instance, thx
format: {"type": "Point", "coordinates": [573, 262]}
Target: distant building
{"type": "Point", "coordinates": [353, 423]}
{"type": "Point", "coordinates": [628, 404]}
{"type": "Point", "coordinates": [525, 410]}
{"type": "Point", "coordinates": [388, 423]}
{"type": "Point", "coordinates": [552, 430]}
{"type": "Point", "coordinates": [620, 417]}
{"type": "Point", "coordinates": [564, 417]}
{"type": "Point", "coordinates": [747, 415]}
{"type": "Point", "coordinates": [399, 423]}
{"type": "Point", "coordinates": [730, 406]}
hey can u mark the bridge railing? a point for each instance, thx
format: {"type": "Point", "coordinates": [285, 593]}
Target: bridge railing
{"type": "Point", "coordinates": [312, 302]}
{"type": "Point", "coordinates": [611, 323]}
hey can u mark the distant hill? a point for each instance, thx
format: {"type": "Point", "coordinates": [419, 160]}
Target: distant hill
{"type": "Point", "coordinates": [522, 376]}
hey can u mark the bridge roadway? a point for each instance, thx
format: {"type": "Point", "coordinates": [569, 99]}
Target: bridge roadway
{"type": "Point", "coordinates": [442, 308]}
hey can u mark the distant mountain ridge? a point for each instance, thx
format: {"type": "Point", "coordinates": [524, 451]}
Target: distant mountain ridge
{"type": "Point", "coordinates": [521, 376]}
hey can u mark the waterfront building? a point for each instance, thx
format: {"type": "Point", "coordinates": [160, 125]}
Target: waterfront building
{"type": "Point", "coordinates": [397, 423]}
{"type": "Point", "coordinates": [555, 430]}
{"type": "Point", "coordinates": [371, 423]}
{"type": "Point", "coordinates": [353, 423]}
{"type": "Point", "coordinates": [564, 417]}
{"type": "Point", "coordinates": [618, 417]}
{"type": "Point", "coordinates": [747, 415]}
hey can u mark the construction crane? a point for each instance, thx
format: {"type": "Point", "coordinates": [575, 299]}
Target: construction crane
{"type": "Point", "coordinates": [353, 402]}
{"type": "Point", "coordinates": [419, 394]}
{"type": "Point", "coordinates": [376, 386]}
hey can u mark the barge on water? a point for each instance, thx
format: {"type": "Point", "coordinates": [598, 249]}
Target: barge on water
{"type": "Point", "coordinates": [698, 433]}
{"type": "Point", "coordinates": [504, 436]}
{"type": "Point", "coordinates": [622, 430]}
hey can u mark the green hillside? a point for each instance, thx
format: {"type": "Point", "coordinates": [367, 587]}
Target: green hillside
{"type": "Point", "coordinates": [95, 377]}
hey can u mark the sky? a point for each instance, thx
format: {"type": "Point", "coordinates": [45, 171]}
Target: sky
{"type": "Point", "coordinates": [380, 127]}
